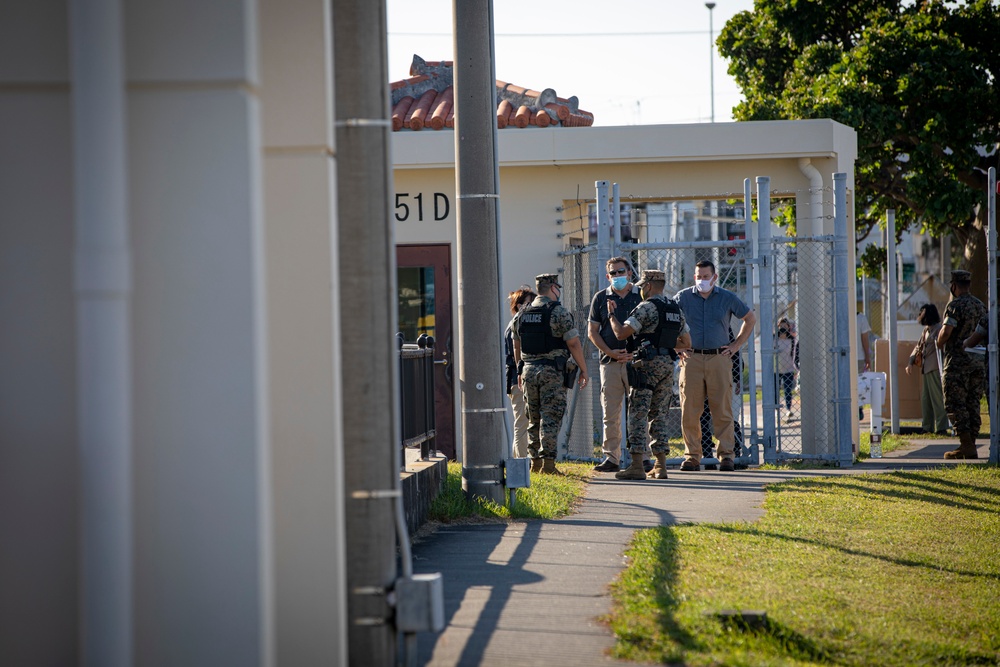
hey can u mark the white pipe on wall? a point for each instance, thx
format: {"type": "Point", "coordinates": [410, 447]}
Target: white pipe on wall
{"type": "Point", "coordinates": [103, 287]}
{"type": "Point", "coordinates": [815, 227]}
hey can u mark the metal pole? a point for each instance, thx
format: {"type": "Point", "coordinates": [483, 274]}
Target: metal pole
{"type": "Point", "coordinates": [603, 232]}
{"type": "Point", "coordinates": [367, 279]}
{"type": "Point", "coordinates": [753, 251]}
{"type": "Point", "coordinates": [616, 221]}
{"type": "Point", "coordinates": [843, 314]}
{"type": "Point", "coordinates": [711, 57]}
{"type": "Point", "coordinates": [991, 250]}
{"type": "Point", "coordinates": [483, 409]}
{"type": "Point", "coordinates": [103, 283]}
{"type": "Point", "coordinates": [893, 299]}
{"type": "Point", "coordinates": [766, 317]}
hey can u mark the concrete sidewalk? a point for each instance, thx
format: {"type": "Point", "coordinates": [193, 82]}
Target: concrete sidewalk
{"type": "Point", "coordinates": [532, 593]}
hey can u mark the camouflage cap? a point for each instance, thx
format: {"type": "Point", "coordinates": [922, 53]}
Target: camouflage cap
{"type": "Point", "coordinates": [545, 280]}
{"type": "Point", "coordinates": [652, 276]}
{"type": "Point", "coordinates": [961, 276]}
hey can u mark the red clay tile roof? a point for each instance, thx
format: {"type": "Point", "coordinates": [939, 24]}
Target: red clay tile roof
{"type": "Point", "coordinates": [427, 98]}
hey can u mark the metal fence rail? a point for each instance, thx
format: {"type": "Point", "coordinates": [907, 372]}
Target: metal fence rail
{"type": "Point", "coordinates": [416, 394]}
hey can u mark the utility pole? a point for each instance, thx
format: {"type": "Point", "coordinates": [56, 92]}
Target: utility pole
{"type": "Point", "coordinates": [367, 296]}
{"type": "Point", "coordinates": [711, 57]}
{"type": "Point", "coordinates": [484, 437]}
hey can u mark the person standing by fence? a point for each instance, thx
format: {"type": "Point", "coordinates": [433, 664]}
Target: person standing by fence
{"type": "Point", "coordinates": [517, 300]}
{"type": "Point", "coordinates": [544, 338]}
{"type": "Point", "coordinates": [614, 375]}
{"type": "Point", "coordinates": [864, 343]}
{"type": "Point", "coordinates": [934, 419]}
{"type": "Point", "coordinates": [707, 369]}
{"type": "Point", "coordinates": [964, 374]}
{"type": "Point", "coordinates": [786, 354]}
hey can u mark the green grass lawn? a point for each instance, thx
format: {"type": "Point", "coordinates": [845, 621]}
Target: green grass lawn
{"type": "Point", "coordinates": [548, 497]}
{"type": "Point", "coordinates": [889, 569]}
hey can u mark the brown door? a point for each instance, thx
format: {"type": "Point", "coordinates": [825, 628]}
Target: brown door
{"type": "Point", "coordinates": [423, 277]}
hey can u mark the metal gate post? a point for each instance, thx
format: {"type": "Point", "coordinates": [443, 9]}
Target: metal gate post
{"type": "Point", "coordinates": [767, 378]}
{"type": "Point", "coordinates": [991, 251]}
{"type": "Point", "coordinates": [892, 296]}
{"type": "Point", "coordinates": [616, 223]}
{"type": "Point", "coordinates": [603, 234]}
{"type": "Point", "coordinates": [753, 263]}
{"type": "Point", "coordinates": [842, 332]}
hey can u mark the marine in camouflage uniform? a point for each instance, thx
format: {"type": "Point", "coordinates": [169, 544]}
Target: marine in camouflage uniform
{"type": "Point", "coordinates": [652, 378]}
{"type": "Point", "coordinates": [541, 372]}
{"type": "Point", "coordinates": [964, 373]}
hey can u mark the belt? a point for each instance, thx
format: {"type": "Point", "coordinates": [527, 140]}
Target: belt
{"type": "Point", "coordinates": [716, 350]}
{"type": "Point", "coordinates": [540, 362]}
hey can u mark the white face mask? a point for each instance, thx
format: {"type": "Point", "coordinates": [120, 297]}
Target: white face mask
{"type": "Point", "coordinates": [703, 285]}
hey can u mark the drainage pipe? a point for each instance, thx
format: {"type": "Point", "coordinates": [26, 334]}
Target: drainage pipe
{"type": "Point", "coordinates": [103, 286]}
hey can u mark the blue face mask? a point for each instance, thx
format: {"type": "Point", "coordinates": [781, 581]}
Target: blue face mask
{"type": "Point", "coordinates": [619, 282]}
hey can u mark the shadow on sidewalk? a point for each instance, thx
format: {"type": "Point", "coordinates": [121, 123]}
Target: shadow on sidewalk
{"type": "Point", "coordinates": [464, 551]}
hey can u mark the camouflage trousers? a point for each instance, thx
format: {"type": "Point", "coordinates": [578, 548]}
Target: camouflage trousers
{"type": "Point", "coordinates": [545, 397]}
{"type": "Point", "coordinates": [964, 384]}
{"type": "Point", "coordinates": [648, 403]}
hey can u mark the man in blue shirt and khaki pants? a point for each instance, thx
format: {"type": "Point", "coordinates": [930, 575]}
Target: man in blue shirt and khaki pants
{"type": "Point", "coordinates": [707, 368]}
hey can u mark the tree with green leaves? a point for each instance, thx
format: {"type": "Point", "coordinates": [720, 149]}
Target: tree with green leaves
{"type": "Point", "coordinates": [917, 81]}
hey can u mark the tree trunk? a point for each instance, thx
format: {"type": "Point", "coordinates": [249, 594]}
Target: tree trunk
{"type": "Point", "coordinates": [974, 257]}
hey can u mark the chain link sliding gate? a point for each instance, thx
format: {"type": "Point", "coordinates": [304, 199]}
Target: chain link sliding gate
{"type": "Point", "coordinates": [804, 279]}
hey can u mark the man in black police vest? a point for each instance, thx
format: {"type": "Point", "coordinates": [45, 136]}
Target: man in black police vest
{"type": "Point", "coordinates": [544, 337]}
{"type": "Point", "coordinates": [659, 328]}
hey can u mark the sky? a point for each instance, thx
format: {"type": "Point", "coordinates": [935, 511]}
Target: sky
{"type": "Point", "coordinates": [630, 62]}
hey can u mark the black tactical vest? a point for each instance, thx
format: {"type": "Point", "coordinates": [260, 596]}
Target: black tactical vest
{"type": "Point", "coordinates": [535, 332]}
{"type": "Point", "coordinates": [668, 328]}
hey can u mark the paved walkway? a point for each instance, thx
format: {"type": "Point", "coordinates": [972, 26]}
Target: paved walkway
{"type": "Point", "coordinates": [531, 593]}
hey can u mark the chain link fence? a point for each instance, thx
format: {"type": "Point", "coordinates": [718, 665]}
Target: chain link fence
{"type": "Point", "coordinates": [792, 410]}
{"type": "Point", "coordinates": [583, 276]}
{"type": "Point", "coordinates": [804, 352]}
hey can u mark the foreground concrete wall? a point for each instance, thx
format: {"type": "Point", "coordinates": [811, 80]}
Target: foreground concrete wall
{"type": "Point", "coordinates": [303, 314]}
{"type": "Point", "coordinates": [201, 484]}
{"type": "Point", "coordinates": [235, 481]}
{"type": "Point", "coordinates": [38, 425]}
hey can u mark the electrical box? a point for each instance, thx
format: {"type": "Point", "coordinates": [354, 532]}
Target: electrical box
{"type": "Point", "coordinates": [420, 603]}
{"type": "Point", "coordinates": [518, 473]}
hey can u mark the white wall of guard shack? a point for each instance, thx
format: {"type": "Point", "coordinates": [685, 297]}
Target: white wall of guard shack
{"type": "Point", "coordinates": [542, 168]}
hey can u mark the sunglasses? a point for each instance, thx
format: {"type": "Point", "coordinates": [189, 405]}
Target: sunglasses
{"type": "Point", "coordinates": [618, 272]}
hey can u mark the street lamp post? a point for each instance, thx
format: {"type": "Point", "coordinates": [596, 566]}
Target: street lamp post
{"type": "Point", "coordinates": [711, 58]}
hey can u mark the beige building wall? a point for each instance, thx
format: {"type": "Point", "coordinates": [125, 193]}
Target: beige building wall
{"type": "Point", "coordinates": [542, 170]}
